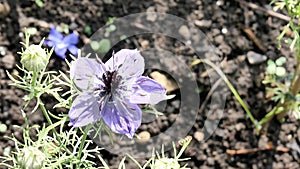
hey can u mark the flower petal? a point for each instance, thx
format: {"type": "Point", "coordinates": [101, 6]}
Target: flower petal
{"type": "Point", "coordinates": [60, 52]}
{"type": "Point", "coordinates": [49, 43]}
{"type": "Point", "coordinates": [84, 110]}
{"type": "Point", "coordinates": [55, 36]}
{"type": "Point", "coordinates": [86, 73]}
{"type": "Point", "coordinates": [73, 50]}
{"type": "Point", "coordinates": [72, 39]}
{"type": "Point", "coordinates": [127, 62]}
{"type": "Point", "coordinates": [147, 91]}
{"type": "Point", "coordinates": [121, 117]}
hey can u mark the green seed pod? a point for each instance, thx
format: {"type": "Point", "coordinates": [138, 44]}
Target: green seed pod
{"type": "Point", "coordinates": [166, 163]}
{"type": "Point", "coordinates": [34, 58]}
{"type": "Point", "coordinates": [31, 158]}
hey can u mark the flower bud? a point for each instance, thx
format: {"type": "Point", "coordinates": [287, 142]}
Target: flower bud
{"type": "Point", "coordinates": [166, 163]}
{"type": "Point", "coordinates": [34, 58]}
{"type": "Point", "coordinates": [31, 158]}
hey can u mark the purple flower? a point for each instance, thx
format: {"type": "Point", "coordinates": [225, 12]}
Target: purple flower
{"type": "Point", "coordinates": [112, 91]}
{"type": "Point", "coordinates": [62, 44]}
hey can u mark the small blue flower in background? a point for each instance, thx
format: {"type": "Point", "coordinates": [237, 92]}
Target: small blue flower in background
{"type": "Point", "coordinates": [61, 44]}
{"type": "Point", "coordinates": [112, 91]}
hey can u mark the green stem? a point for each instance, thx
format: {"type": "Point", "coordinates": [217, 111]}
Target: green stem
{"type": "Point", "coordinates": [295, 75]}
{"type": "Point", "coordinates": [82, 141]}
{"type": "Point", "coordinates": [27, 129]}
{"type": "Point", "coordinates": [34, 79]}
{"type": "Point", "coordinates": [268, 117]}
{"type": "Point", "coordinates": [296, 87]}
{"type": "Point", "coordinates": [46, 115]}
{"type": "Point", "coordinates": [232, 89]}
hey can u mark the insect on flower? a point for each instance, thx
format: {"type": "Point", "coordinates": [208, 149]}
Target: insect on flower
{"type": "Point", "coordinates": [111, 91]}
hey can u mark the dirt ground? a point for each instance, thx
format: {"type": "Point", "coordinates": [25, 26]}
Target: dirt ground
{"type": "Point", "coordinates": [225, 23]}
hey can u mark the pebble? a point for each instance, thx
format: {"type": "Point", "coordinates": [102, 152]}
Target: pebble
{"type": "Point", "coordinates": [148, 117]}
{"type": "Point", "coordinates": [226, 144]}
{"type": "Point", "coordinates": [219, 39]}
{"type": "Point", "coordinates": [278, 165]}
{"type": "Point", "coordinates": [225, 48]}
{"type": "Point", "coordinates": [145, 44]}
{"type": "Point", "coordinates": [255, 58]}
{"type": "Point", "coordinates": [155, 128]}
{"type": "Point", "coordinates": [144, 137]}
{"type": "Point", "coordinates": [176, 103]}
{"type": "Point", "coordinates": [201, 157]}
{"type": "Point", "coordinates": [199, 14]}
{"type": "Point", "coordinates": [263, 141]}
{"type": "Point", "coordinates": [185, 32]}
{"type": "Point", "coordinates": [241, 58]}
{"type": "Point", "coordinates": [241, 165]}
{"type": "Point", "coordinates": [240, 126]}
{"type": "Point", "coordinates": [2, 50]}
{"type": "Point", "coordinates": [204, 146]}
{"type": "Point", "coordinates": [73, 26]}
{"type": "Point", "coordinates": [172, 117]}
{"type": "Point", "coordinates": [230, 67]}
{"type": "Point", "coordinates": [210, 161]}
{"type": "Point", "coordinates": [288, 127]}
{"type": "Point", "coordinates": [289, 137]}
{"type": "Point", "coordinates": [224, 30]}
{"type": "Point", "coordinates": [9, 61]}
{"type": "Point", "coordinates": [294, 146]}
{"type": "Point", "coordinates": [220, 2]}
{"type": "Point", "coordinates": [203, 23]}
{"type": "Point", "coordinates": [151, 16]}
{"type": "Point", "coordinates": [215, 32]}
{"type": "Point", "coordinates": [4, 9]}
{"type": "Point", "coordinates": [220, 132]}
{"type": "Point", "coordinates": [199, 136]}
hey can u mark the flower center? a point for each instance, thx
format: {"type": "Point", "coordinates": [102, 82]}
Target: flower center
{"type": "Point", "coordinates": [107, 79]}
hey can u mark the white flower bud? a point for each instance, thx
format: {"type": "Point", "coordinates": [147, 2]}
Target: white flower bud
{"type": "Point", "coordinates": [31, 158]}
{"type": "Point", "coordinates": [34, 58]}
{"type": "Point", "coordinates": [166, 163]}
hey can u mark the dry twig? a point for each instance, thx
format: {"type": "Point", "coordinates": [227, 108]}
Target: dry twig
{"type": "Point", "coordinates": [269, 12]}
{"type": "Point", "coordinates": [269, 146]}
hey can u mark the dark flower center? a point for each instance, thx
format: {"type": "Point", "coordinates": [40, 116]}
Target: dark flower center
{"type": "Point", "coordinates": [107, 79]}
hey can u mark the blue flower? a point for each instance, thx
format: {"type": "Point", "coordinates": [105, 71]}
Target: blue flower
{"type": "Point", "coordinates": [112, 91]}
{"type": "Point", "coordinates": [62, 44]}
